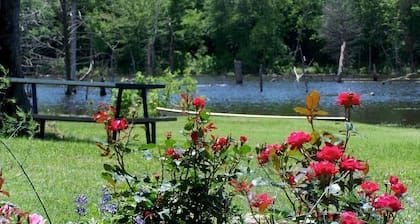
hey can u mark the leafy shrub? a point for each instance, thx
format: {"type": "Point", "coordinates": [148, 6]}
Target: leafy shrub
{"type": "Point", "coordinates": [174, 85]}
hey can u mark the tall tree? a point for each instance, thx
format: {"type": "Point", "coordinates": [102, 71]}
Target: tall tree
{"type": "Point", "coordinates": [10, 51]}
{"type": "Point", "coordinates": [68, 18]}
{"type": "Point", "coordinates": [410, 18]}
{"type": "Point", "coordinates": [340, 29]}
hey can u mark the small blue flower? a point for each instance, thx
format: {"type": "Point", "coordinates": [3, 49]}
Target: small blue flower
{"type": "Point", "coordinates": [81, 199]}
{"type": "Point", "coordinates": [138, 220]}
{"type": "Point", "coordinates": [105, 205]}
{"type": "Point", "coordinates": [80, 202]}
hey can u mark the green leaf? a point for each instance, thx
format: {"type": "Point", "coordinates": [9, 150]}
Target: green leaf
{"type": "Point", "coordinates": [147, 146]}
{"type": "Point", "coordinates": [170, 143]}
{"type": "Point", "coordinates": [315, 138]}
{"type": "Point", "coordinates": [109, 168]}
{"type": "Point", "coordinates": [108, 177]}
{"type": "Point", "coordinates": [205, 114]}
{"type": "Point", "coordinates": [189, 126]}
{"type": "Point", "coordinates": [244, 149]}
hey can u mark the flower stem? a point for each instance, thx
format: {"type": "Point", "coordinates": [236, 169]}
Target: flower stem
{"type": "Point", "coordinates": [28, 178]}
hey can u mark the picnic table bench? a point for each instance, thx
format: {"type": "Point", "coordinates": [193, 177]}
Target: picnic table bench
{"type": "Point", "coordinates": [149, 122]}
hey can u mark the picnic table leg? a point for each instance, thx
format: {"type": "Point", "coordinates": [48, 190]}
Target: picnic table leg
{"type": "Point", "coordinates": [41, 133]}
{"type": "Point", "coordinates": [146, 115]}
{"type": "Point", "coordinates": [117, 110]}
{"type": "Point", "coordinates": [147, 129]}
{"type": "Point", "coordinates": [153, 132]}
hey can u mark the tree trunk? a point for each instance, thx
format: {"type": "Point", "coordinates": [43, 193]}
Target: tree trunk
{"type": "Point", "coordinates": [341, 62]}
{"type": "Point", "coordinates": [69, 41]}
{"type": "Point", "coordinates": [10, 53]}
{"type": "Point", "coordinates": [151, 45]}
{"type": "Point", "coordinates": [171, 48]}
{"type": "Point", "coordinates": [151, 58]}
{"type": "Point", "coordinates": [73, 40]}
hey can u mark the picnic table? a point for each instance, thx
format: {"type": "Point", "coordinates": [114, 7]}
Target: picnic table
{"type": "Point", "coordinates": [146, 119]}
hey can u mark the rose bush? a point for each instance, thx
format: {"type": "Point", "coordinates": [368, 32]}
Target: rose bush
{"type": "Point", "coordinates": [192, 184]}
{"type": "Point", "coordinates": [321, 182]}
{"type": "Point", "coordinates": [318, 181]}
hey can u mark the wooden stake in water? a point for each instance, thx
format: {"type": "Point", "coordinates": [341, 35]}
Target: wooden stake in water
{"type": "Point", "coordinates": [238, 71]}
{"type": "Point", "coordinates": [261, 78]}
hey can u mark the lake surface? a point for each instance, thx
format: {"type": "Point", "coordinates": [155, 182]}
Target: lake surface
{"type": "Point", "coordinates": [396, 103]}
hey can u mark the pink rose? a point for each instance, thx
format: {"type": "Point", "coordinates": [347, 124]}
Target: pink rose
{"type": "Point", "coordinates": [36, 219]}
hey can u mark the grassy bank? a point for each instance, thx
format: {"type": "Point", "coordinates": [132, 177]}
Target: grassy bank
{"type": "Point", "coordinates": [62, 168]}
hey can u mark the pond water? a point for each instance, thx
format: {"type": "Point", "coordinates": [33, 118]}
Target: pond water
{"type": "Point", "coordinates": [396, 103]}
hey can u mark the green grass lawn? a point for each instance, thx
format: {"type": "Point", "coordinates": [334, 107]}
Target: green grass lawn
{"type": "Point", "coordinates": [62, 168]}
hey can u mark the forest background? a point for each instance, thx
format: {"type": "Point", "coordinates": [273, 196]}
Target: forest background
{"type": "Point", "coordinates": [105, 38]}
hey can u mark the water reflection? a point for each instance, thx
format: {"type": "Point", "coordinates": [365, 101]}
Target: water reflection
{"type": "Point", "coordinates": [396, 103]}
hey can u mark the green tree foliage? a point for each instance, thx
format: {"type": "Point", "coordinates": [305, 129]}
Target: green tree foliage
{"type": "Point", "coordinates": [206, 36]}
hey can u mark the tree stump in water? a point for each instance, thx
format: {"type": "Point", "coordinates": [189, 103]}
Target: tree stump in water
{"type": "Point", "coordinates": [238, 71]}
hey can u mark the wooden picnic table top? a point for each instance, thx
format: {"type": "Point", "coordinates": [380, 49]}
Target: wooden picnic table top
{"type": "Point", "coordinates": [119, 85]}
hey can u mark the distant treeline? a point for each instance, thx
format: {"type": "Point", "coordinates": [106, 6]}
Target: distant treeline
{"type": "Point", "coordinates": [107, 37]}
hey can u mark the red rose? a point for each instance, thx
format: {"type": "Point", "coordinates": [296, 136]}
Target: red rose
{"type": "Point", "coordinates": [352, 164]}
{"type": "Point", "coordinates": [324, 168]}
{"type": "Point", "coordinates": [222, 141]}
{"type": "Point", "coordinates": [101, 117]}
{"type": "Point", "coordinates": [349, 218]}
{"type": "Point", "coordinates": [297, 139]}
{"type": "Point", "coordinates": [292, 180]}
{"type": "Point", "coordinates": [264, 155]}
{"type": "Point", "coordinates": [199, 102]}
{"type": "Point", "coordinates": [261, 201]}
{"type": "Point", "coordinates": [369, 187]}
{"type": "Point", "coordinates": [387, 202]}
{"type": "Point", "coordinates": [398, 189]}
{"type": "Point", "coordinates": [194, 136]}
{"type": "Point", "coordinates": [242, 187]}
{"type": "Point", "coordinates": [118, 124]}
{"type": "Point", "coordinates": [348, 99]}
{"type": "Point", "coordinates": [330, 153]}
{"type": "Point", "coordinates": [243, 139]}
{"type": "Point", "coordinates": [393, 179]}
{"type": "Point", "coordinates": [172, 153]}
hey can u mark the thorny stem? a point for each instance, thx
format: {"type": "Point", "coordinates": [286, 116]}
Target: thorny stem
{"type": "Point", "coordinates": [28, 178]}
